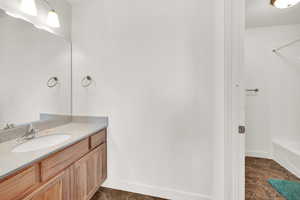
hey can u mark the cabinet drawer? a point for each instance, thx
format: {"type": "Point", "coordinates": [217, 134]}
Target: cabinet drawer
{"type": "Point", "coordinates": [52, 190]}
{"type": "Point", "coordinates": [98, 138]}
{"type": "Point", "coordinates": [61, 160]}
{"type": "Point", "coordinates": [20, 184]}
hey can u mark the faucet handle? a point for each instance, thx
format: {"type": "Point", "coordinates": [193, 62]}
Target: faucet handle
{"type": "Point", "coordinates": [29, 134]}
{"type": "Point", "coordinates": [30, 127]}
{"type": "Point", "coordinates": [32, 131]}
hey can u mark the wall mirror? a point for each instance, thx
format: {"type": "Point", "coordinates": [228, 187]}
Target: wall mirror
{"type": "Point", "coordinates": [35, 74]}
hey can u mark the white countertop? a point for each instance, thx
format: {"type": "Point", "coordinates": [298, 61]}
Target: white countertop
{"type": "Point", "coordinates": [11, 162]}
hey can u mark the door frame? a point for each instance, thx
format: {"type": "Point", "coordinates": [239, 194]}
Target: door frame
{"type": "Point", "coordinates": [234, 36]}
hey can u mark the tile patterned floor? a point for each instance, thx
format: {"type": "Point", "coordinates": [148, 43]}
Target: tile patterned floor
{"type": "Point", "coordinates": [258, 171]}
{"type": "Point", "coordinates": [111, 194]}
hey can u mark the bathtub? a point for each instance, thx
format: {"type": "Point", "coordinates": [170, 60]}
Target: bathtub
{"type": "Point", "coordinates": [287, 154]}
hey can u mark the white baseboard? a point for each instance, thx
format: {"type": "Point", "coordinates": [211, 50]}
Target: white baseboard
{"type": "Point", "coordinates": [259, 154]}
{"type": "Point", "coordinates": [287, 166]}
{"type": "Point", "coordinates": [155, 191]}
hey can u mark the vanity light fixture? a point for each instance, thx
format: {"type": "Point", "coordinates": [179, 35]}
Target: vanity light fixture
{"type": "Point", "coordinates": [53, 19]}
{"type": "Point", "coordinates": [29, 7]}
{"type": "Point", "coordinates": [284, 3]}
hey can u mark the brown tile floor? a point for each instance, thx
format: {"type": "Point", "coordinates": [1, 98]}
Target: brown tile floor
{"type": "Point", "coordinates": [258, 171]}
{"type": "Point", "coordinates": [111, 194]}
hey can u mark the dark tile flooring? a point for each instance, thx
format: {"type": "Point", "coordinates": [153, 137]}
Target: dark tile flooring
{"type": "Point", "coordinates": [111, 194]}
{"type": "Point", "coordinates": [258, 171]}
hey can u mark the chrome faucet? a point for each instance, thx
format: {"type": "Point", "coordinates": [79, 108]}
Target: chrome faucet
{"type": "Point", "coordinates": [30, 133]}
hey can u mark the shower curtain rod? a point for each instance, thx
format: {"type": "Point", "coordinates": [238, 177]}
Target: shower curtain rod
{"type": "Point", "coordinates": [286, 45]}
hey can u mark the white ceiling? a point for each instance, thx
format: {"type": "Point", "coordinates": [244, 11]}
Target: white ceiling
{"type": "Point", "coordinates": [261, 13]}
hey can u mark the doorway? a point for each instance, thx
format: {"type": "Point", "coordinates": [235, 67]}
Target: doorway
{"type": "Point", "coordinates": [272, 108]}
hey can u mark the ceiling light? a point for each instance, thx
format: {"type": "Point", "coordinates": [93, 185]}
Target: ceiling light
{"type": "Point", "coordinates": [284, 3]}
{"type": "Point", "coordinates": [29, 7]}
{"type": "Point", "coordinates": [53, 19]}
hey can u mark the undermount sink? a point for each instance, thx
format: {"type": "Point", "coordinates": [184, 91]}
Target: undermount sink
{"type": "Point", "coordinates": [41, 143]}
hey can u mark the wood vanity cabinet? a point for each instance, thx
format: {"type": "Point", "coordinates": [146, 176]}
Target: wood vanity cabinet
{"type": "Point", "coordinates": [89, 173]}
{"type": "Point", "coordinates": [75, 173]}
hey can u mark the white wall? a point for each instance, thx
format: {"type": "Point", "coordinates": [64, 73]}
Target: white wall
{"type": "Point", "coordinates": [275, 112]}
{"type": "Point", "coordinates": [152, 66]}
{"type": "Point", "coordinates": [62, 7]}
{"type": "Point", "coordinates": [219, 102]}
{"type": "Point", "coordinates": [28, 58]}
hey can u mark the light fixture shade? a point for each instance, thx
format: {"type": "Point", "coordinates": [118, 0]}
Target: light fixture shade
{"type": "Point", "coordinates": [53, 20]}
{"type": "Point", "coordinates": [29, 7]}
{"type": "Point", "coordinates": [284, 3]}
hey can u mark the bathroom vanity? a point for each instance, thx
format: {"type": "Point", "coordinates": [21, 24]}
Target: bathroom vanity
{"type": "Point", "coordinates": [72, 170]}
{"type": "Point", "coordinates": [67, 158]}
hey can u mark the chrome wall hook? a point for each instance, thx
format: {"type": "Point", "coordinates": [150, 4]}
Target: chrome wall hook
{"type": "Point", "coordinates": [52, 82]}
{"type": "Point", "coordinates": [86, 81]}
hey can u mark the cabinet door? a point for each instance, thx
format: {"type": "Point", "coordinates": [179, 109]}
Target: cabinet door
{"type": "Point", "coordinates": [89, 173]}
{"type": "Point", "coordinates": [21, 184]}
{"type": "Point", "coordinates": [52, 190]}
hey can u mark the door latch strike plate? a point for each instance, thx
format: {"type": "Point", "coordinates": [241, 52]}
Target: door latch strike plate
{"type": "Point", "coordinates": [242, 129]}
